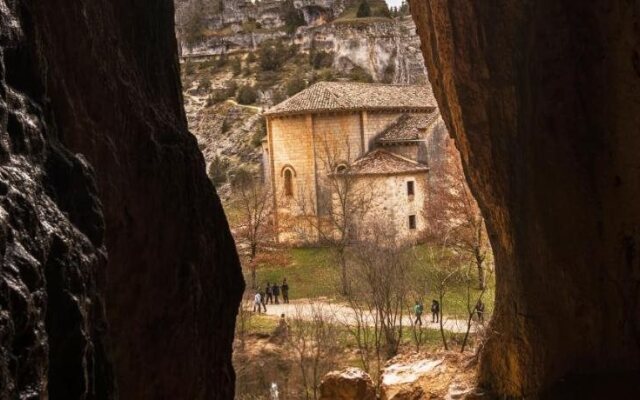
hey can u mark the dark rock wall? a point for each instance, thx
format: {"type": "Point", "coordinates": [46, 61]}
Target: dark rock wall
{"type": "Point", "coordinates": [100, 78]}
{"type": "Point", "coordinates": [52, 251]}
{"type": "Point", "coordinates": [543, 99]}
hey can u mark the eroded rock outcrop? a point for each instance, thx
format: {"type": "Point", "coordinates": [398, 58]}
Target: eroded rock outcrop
{"type": "Point", "coordinates": [542, 98]}
{"type": "Point", "coordinates": [100, 79]}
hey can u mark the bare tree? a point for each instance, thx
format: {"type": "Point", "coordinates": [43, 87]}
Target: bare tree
{"type": "Point", "coordinates": [342, 202]}
{"type": "Point", "coordinates": [314, 341]}
{"type": "Point", "coordinates": [472, 303]}
{"type": "Point", "coordinates": [365, 328]}
{"type": "Point", "coordinates": [252, 199]}
{"type": "Point", "coordinates": [381, 262]}
{"type": "Point", "coordinates": [454, 213]}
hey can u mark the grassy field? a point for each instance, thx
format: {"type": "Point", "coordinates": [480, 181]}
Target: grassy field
{"type": "Point", "coordinates": [311, 273]}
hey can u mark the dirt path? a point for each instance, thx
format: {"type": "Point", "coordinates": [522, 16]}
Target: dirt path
{"type": "Point", "coordinates": [345, 315]}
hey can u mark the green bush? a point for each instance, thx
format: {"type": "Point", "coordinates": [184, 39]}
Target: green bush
{"type": "Point", "coordinates": [226, 125]}
{"type": "Point", "coordinates": [267, 79]}
{"type": "Point", "coordinates": [295, 85]}
{"type": "Point", "coordinates": [251, 58]}
{"type": "Point", "coordinates": [204, 86]}
{"type": "Point", "coordinates": [277, 97]}
{"type": "Point", "coordinates": [218, 170]}
{"type": "Point", "coordinates": [236, 66]}
{"type": "Point", "coordinates": [358, 74]}
{"type": "Point", "coordinates": [274, 55]}
{"type": "Point", "coordinates": [260, 132]}
{"type": "Point", "coordinates": [247, 95]}
{"type": "Point", "coordinates": [389, 72]}
{"type": "Point", "coordinates": [221, 61]}
{"type": "Point", "coordinates": [293, 17]}
{"type": "Point", "coordinates": [321, 59]}
{"type": "Point", "coordinates": [220, 95]}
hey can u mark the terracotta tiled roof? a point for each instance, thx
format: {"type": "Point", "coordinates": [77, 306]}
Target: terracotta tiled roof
{"type": "Point", "coordinates": [407, 127]}
{"type": "Point", "coordinates": [383, 162]}
{"type": "Point", "coordinates": [345, 96]}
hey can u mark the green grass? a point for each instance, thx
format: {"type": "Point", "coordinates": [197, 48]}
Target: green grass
{"type": "Point", "coordinates": [311, 273]}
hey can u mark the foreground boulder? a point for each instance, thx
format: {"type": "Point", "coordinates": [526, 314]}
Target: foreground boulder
{"type": "Point", "coordinates": [347, 384]}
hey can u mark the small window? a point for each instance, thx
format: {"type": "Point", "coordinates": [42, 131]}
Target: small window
{"type": "Point", "coordinates": [288, 182]}
{"type": "Point", "coordinates": [412, 222]}
{"type": "Point", "coordinates": [341, 168]}
{"type": "Point", "coordinates": [410, 188]}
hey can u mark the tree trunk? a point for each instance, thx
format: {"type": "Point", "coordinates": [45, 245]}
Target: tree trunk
{"type": "Point", "coordinates": [482, 281]}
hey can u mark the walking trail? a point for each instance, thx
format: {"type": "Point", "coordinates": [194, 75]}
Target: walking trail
{"type": "Point", "coordinates": [344, 314]}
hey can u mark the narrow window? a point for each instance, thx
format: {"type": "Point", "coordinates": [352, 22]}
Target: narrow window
{"type": "Point", "coordinates": [288, 182]}
{"type": "Point", "coordinates": [410, 188]}
{"type": "Point", "coordinates": [412, 222]}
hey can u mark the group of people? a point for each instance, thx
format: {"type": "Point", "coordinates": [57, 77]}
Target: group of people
{"type": "Point", "coordinates": [271, 295]}
{"type": "Point", "coordinates": [418, 308]}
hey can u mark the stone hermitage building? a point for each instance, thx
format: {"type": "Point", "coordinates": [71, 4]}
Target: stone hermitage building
{"type": "Point", "coordinates": [357, 143]}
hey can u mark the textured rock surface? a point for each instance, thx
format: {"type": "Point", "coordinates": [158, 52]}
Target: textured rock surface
{"type": "Point", "coordinates": [348, 384]}
{"type": "Point", "coordinates": [100, 78]}
{"type": "Point", "coordinates": [52, 251]}
{"type": "Point", "coordinates": [542, 98]}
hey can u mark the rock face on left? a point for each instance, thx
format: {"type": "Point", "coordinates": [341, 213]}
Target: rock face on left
{"type": "Point", "coordinates": [52, 250]}
{"type": "Point", "coordinates": [104, 200]}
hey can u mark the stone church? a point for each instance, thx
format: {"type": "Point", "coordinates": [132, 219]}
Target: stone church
{"type": "Point", "coordinates": [356, 154]}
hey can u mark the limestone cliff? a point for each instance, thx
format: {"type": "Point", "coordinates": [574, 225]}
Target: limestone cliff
{"type": "Point", "coordinates": [104, 200]}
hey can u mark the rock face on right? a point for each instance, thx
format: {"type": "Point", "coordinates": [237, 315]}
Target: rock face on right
{"type": "Point", "coordinates": [543, 101]}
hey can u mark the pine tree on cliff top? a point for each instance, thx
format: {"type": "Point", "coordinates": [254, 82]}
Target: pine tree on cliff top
{"type": "Point", "coordinates": [364, 10]}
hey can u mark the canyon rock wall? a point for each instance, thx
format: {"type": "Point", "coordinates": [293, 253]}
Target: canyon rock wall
{"type": "Point", "coordinates": [542, 99]}
{"type": "Point", "coordinates": [104, 196]}
{"type": "Point", "coordinates": [388, 50]}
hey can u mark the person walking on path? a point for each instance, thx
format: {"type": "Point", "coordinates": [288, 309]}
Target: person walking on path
{"type": "Point", "coordinates": [417, 309]}
{"type": "Point", "coordinates": [285, 291]}
{"type": "Point", "coordinates": [480, 311]}
{"type": "Point", "coordinates": [269, 294]}
{"type": "Point", "coordinates": [275, 289]}
{"type": "Point", "coordinates": [263, 300]}
{"type": "Point", "coordinates": [435, 311]}
{"type": "Point", "coordinates": [257, 302]}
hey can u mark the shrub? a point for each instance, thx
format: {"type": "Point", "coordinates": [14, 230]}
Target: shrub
{"type": "Point", "coordinates": [236, 66]}
{"type": "Point", "coordinates": [390, 72]}
{"type": "Point", "coordinates": [295, 85]}
{"type": "Point", "coordinates": [247, 95]}
{"type": "Point", "coordinates": [273, 56]}
{"type": "Point", "coordinates": [260, 132]}
{"type": "Point", "coordinates": [363, 9]}
{"type": "Point", "coordinates": [277, 97]}
{"type": "Point", "coordinates": [218, 170]}
{"type": "Point", "coordinates": [358, 74]}
{"type": "Point", "coordinates": [321, 59]}
{"type": "Point", "coordinates": [204, 86]}
{"type": "Point", "coordinates": [226, 125]}
{"type": "Point", "coordinates": [251, 58]}
{"type": "Point", "coordinates": [220, 61]}
{"type": "Point", "coordinates": [293, 17]}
